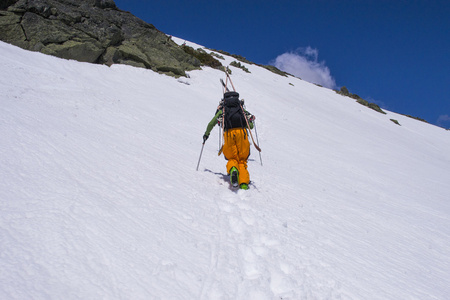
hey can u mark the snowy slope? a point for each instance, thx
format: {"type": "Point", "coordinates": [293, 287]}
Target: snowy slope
{"type": "Point", "coordinates": [99, 197]}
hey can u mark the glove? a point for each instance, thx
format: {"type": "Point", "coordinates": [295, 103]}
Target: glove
{"type": "Point", "coordinates": [205, 137]}
{"type": "Point", "coordinates": [252, 118]}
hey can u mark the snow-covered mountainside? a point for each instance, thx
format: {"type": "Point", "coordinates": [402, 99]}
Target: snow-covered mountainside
{"type": "Point", "coordinates": [100, 197]}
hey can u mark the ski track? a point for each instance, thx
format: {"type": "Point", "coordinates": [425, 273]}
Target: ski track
{"type": "Point", "coordinates": [253, 254]}
{"type": "Point", "coordinates": [246, 268]}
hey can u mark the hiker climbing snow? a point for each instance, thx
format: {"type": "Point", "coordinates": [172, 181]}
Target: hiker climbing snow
{"type": "Point", "coordinates": [235, 121]}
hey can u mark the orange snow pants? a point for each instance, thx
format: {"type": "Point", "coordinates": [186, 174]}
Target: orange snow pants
{"type": "Point", "coordinates": [236, 149]}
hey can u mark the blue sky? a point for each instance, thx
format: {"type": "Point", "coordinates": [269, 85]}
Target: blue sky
{"type": "Point", "coordinates": [394, 53]}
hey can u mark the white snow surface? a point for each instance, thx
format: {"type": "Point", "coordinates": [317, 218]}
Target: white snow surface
{"type": "Point", "coordinates": [100, 197]}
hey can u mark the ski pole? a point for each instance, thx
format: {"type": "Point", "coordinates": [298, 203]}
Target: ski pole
{"type": "Point", "coordinates": [256, 132]}
{"type": "Point", "coordinates": [203, 145]}
{"type": "Point", "coordinates": [223, 128]}
{"type": "Point", "coordinates": [251, 135]}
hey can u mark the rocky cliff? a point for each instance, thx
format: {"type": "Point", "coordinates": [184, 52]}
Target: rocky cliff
{"type": "Point", "coordinates": [94, 31]}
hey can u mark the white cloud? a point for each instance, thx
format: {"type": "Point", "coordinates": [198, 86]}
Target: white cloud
{"type": "Point", "coordinates": [443, 119]}
{"type": "Point", "coordinates": [304, 63]}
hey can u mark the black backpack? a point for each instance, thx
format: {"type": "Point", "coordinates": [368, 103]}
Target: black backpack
{"type": "Point", "coordinates": [233, 114]}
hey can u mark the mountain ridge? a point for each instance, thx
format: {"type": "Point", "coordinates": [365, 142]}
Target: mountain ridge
{"type": "Point", "coordinates": [91, 31]}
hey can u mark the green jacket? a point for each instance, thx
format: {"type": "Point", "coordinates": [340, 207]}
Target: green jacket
{"type": "Point", "coordinates": [218, 115]}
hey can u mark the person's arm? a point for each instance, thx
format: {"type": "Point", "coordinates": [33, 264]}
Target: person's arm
{"type": "Point", "coordinates": [250, 118]}
{"type": "Point", "coordinates": [212, 124]}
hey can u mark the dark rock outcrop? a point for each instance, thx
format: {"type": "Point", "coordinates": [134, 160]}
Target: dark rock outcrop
{"type": "Point", "coordinates": [94, 31]}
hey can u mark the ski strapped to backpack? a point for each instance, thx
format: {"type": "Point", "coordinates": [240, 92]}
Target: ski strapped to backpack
{"type": "Point", "coordinates": [242, 109]}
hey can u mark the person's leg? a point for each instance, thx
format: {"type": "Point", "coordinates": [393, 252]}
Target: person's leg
{"type": "Point", "coordinates": [243, 151]}
{"type": "Point", "coordinates": [230, 152]}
